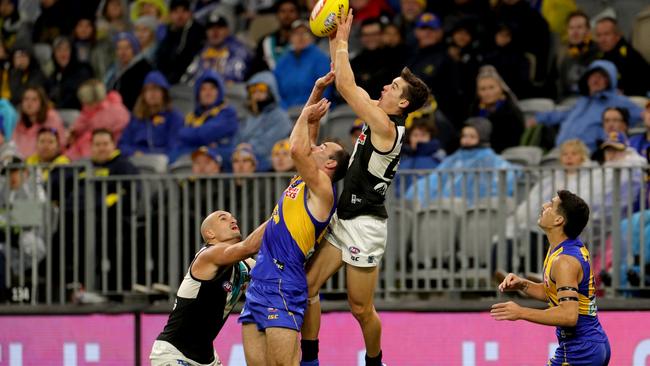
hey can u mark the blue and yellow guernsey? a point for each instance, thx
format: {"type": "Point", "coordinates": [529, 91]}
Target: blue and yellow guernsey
{"type": "Point", "coordinates": [289, 237]}
{"type": "Point", "coordinates": [588, 327]}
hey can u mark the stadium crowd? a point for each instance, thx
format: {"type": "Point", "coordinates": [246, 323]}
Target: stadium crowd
{"type": "Point", "coordinates": [214, 85]}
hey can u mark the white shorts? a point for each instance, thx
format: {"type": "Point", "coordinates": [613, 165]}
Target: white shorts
{"type": "Point", "coordinates": [362, 240]}
{"type": "Point", "coordinates": [165, 354]}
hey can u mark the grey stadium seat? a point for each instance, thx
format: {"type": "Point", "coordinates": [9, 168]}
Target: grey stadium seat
{"type": "Point", "coordinates": [151, 163]}
{"type": "Point", "coordinates": [523, 155]}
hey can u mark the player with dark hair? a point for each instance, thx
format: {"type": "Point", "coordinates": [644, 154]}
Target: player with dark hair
{"type": "Point", "coordinates": [357, 234]}
{"type": "Point", "coordinates": [277, 297]}
{"type": "Point", "coordinates": [568, 287]}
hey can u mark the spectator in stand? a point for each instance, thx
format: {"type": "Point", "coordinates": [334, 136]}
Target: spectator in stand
{"type": "Point", "coordinates": [129, 70]}
{"type": "Point", "coordinates": [213, 123]}
{"type": "Point", "coordinates": [475, 153]}
{"type": "Point", "coordinates": [68, 74]}
{"type": "Point", "coordinates": [583, 120]}
{"type": "Point", "coordinates": [112, 18]}
{"type": "Point", "coordinates": [154, 123]}
{"type": "Point", "coordinates": [641, 142]}
{"type": "Point", "coordinates": [574, 57]}
{"type": "Point", "coordinates": [370, 9]}
{"type": "Point", "coordinates": [369, 74]}
{"type": "Point", "coordinates": [536, 37]}
{"type": "Point", "coordinates": [243, 167]}
{"type": "Point", "coordinates": [99, 53]}
{"type": "Point", "coordinates": [98, 111]}
{"type": "Point", "coordinates": [7, 147]}
{"type": "Point", "coordinates": [457, 74]}
{"type": "Point", "coordinates": [281, 157]}
{"type": "Point", "coordinates": [273, 46]}
{"type": "Point", "coordinates": [184, 38]}
{"type": "Point", "coordinates": [155, 8]}
{"type": "Point", "coordinates": [145, 31]}
{"type": "Point", "coordinates": [223, 53]}
{"type": "Point", "coordinates": [510, 61]}
{"type": "Point", "coordinates": [25, 72]}
{"type": "Point", "coordinates": [206, 161]}
{"type": "Point", "coordinates": [56, 19]}
{"type": "Point", "coordinates": [421, 151]}
{"type": "Point", "coordinates": [35, 113]}
{"type": "Point", "coordinates": [431, 51]}
{"type": "Point", "coordinates": [8, 119]}
{"type": "Point", "coordinates": [406, 20]}
{"type": "Point", "coordinates": [496, 102]}
{"type": "Point", "coordinates": [268, 122]}
{"type": "Point", "coordinates": [13, 28]}
{"type": "Point", "coordinates": [634, 71]}
{"type": "Point", "coordinates": [5, 69]}
{"type": "Point", "coordinates": [397, 53]}
{"type": "Point", "coordinates": [298, 70]}
{"type": "Point", "coordinates": [48, 152]}
{"type": "Point", "coordinates": [615, 119]}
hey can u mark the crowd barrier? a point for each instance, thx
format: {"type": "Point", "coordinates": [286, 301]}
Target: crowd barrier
{"type": "Point", "coordinates": [80, 233]}
{"type": "Point", "coordinates": [409, 339]}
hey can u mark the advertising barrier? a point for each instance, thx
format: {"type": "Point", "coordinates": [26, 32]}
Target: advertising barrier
{"type": "Point", "coordinates": [409, 339]}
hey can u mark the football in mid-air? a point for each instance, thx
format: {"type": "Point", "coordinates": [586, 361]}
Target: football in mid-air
{"type": "Point", "coordinates": [324, 16]}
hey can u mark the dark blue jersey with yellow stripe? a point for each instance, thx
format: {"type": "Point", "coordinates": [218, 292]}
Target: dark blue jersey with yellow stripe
{"type": "Point", "coordinates": [289, 237]}
{"type": "Point", "coordinates": [588, 327]}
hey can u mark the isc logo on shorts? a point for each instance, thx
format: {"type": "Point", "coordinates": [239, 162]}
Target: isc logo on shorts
{"type": "Point", "coordinates": [273, 316]}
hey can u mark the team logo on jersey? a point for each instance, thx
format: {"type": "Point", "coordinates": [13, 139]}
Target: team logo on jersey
{"type": "Point", "coordinates": [227, 286]}
{"type": "Point", "coordinates": [292, 192]}
{"type": "Point", "coordinates": [354, 250]}
{"type": "Point", "coordinates": [371, 259]}
{"type": "Point", "coordinates": [362, 138]}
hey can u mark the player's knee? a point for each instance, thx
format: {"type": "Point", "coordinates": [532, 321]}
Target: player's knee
{"type": "Point", "coordinates": [362, 312]}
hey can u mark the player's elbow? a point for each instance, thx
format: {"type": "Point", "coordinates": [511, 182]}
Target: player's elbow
{"type": "Point", "coordinates": [570, 319]}
{"type": "Point", "coordinates": [297, 151]}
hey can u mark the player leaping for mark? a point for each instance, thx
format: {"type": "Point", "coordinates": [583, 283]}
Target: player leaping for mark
{"type": "Point", "coordinates": [357, 233]}
{"type": "Point", "coordinates": [277, 297]}
{"type": "Point", "coordinates": [568, 287]}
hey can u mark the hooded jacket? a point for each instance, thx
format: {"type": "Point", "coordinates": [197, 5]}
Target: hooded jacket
{"type": "Point", "coordinates": [296, 74]}
{"type": "Point", "coordinates": [584, 120]}
{"type": "Point", "coordinates": [213, 126]}
{"type": "Point", "coordinates": [62, 85]}
{"type": "Point", "coordinates": [154, 135]}
{"type": "Point", "coordinates": [272, 123]}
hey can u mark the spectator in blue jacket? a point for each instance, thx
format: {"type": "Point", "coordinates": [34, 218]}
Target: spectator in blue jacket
{"type": "Point", "coordinates": [222, 53]}
{"type": "Point", "coordinates": [268, 122]}
{"type": "Point", "coordinates": [641, 142]}
{"type": "Point", "coordinates": [154, 122]}
{"type": "Point", "coordinates": [213, 123]}
{"type": "Point", "coordinates": [299, 68]}
{"type": "Point", "coordinates": [583, 121]}
{"type": "Point", "coordinates": [474, 153]}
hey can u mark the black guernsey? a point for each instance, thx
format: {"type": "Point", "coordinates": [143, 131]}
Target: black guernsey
{"type": "Point", "coordinates": [201, 309]}
{"type": "Point", "coordinates": [369, 175]}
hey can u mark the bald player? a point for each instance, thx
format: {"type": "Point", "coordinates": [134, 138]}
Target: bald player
{"type": "Point", "coordinates": [216, 279]}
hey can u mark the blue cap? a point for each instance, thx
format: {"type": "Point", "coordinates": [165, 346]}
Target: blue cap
{"type": "Point", "coordinates": [129, 37]}
{"type": "Point", "coordinates": [212, 153]}
{"type": "Point", "coordinates": [616, 140]}
{"type": "Point", "coordinates": [428, 20]}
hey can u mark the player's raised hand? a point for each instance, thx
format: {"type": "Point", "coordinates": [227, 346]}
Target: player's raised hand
{"type": "Point", "coordinates": [512, 282]}
{"type": "Point", "coordinates": [325, 80]}
{"type": "Point", "coordinates": [506, 311]}
{"type": "Point", "coordinates": [344, 26]}
{"type": "Point", "coordinates": [316, 111]}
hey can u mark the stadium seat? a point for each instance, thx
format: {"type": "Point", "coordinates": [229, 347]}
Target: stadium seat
{"type": "Point", "coordinates": [182, 97]}
{"type": "Point", "coordinates": [476, 237]}
{"type": "Point", "coordinates": [434, 233]}
{"type": "Point", "coordinates": [338, 124]}
{"type": "Point", "coordinates": [639, 100]}
{"type": "Point", "coordinates": [181, 167]}
{"type": "Point", "coordinates": [552, 158]}
{"type": "Point", "coordinates": [535, 105]}
{"type": "Point", "coordinates": [237, 96]}
{"type": "Point", "coordinates": [68, 116]}
{"type": "Point", "coordinates": [151, 163]}
{"type": "Point", "coordinates": [523, 155]}
{"type": "Point", "coordinates": [43, 53]}
{"type": "Point", "coordinates": [567, 103]}
{"type": "Point", "coordinates": [260, 26]}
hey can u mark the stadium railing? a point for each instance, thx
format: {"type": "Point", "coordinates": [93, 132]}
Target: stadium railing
{"type": "Point", "coordinates": [86, 237]}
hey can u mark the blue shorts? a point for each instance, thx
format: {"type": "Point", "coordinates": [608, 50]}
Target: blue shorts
{"type": "Point", "coordinates": [272, 304]}
{"type": "Point", "coordinates": [578, 353]}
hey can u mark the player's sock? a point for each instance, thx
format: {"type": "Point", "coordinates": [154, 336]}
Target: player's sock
{"type": "Point", "coordinates": [373, 361]}
{"type": "Point", "coordinates": [309, 350]}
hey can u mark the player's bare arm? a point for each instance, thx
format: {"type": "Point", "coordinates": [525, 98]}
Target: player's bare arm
{"type": "Point", "coordinates": [316, 95]}
{"type": "Point", "coordinates": [567, 273]}
{"type": "Point", "coordinates": [383, 130]}
{"type": "Point", "coordinates": [223, 254]}
{"type": "Point", "coordinates": [534, 290]}
{"type": "Point", "coordinates": [321, 196]}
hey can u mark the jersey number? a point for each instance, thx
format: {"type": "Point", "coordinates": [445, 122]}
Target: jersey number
{"type": "Point", "coordinates": [391, 169]}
